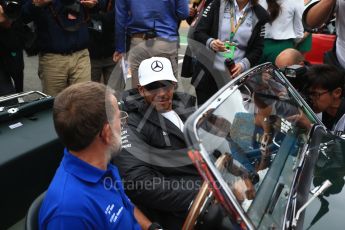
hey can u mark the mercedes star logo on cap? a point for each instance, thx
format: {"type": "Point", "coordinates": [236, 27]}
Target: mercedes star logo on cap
{"type": "Point", "coordinates": [157, 66]}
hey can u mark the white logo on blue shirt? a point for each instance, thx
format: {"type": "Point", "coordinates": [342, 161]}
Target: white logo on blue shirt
{"type": "Point", "coordinates": [109, 209]}
{"type": "Point", "coordinates": [114, 217]}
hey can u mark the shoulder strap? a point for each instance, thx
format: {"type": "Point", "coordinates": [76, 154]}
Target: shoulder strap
{"type": "Point", "coordinates": [109, 5]}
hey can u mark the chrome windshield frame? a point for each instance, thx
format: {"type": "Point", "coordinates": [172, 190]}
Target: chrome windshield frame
{"type": "Point", "coordinates": [193, 139]}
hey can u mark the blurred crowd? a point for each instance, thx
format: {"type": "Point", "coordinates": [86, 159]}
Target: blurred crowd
{"type": "Point", "coordinates": [108, 41]}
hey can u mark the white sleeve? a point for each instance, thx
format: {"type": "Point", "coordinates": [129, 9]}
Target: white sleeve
{"type": "Point", "coordinates": [339, 128]}
{"type": "Point", "coordinates": [297, 21]}
{"type": "Point", "coordinates": [304, 15]}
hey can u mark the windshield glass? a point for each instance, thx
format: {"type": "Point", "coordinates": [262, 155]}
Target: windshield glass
{"type": "Point", "coordinates": [261, 130]}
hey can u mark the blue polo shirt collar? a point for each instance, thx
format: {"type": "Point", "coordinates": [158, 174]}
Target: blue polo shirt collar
{"type": "Point", "coordinates": [83, 170]}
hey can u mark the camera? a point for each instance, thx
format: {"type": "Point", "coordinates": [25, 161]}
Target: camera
{"type": "Point", "coordinates": [229, 63]}
{"type": "Point", "coordinates": [150, 34]}
{"type": "Point", "coordinates": [95, 25]}
{"type": "Point", "coordinates": [12, 8]}
{"type": "Point", "coordinates": [294, 71]}
{"type": "Point", "coordinates": [71, 6]}
{"type": "Point", "coordinates": [296, 74]}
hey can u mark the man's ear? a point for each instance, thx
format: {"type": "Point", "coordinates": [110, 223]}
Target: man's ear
{"type": "Point", "coordinates": [175, 85]}
{"type": "Point", "coordinates": [141, 90]}
{"type": "Point", "coordinates": [107, 134]}
{"type": "Point", "coordinates": [337, 92]}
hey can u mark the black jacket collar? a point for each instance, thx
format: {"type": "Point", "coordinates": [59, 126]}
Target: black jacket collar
{"type": "Point", "coordinates": [183, 105]}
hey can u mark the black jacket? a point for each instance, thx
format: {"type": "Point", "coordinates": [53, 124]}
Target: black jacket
{"type": "Point", "coordinates": [102, 43]}
{"type": "Point", "coordinates": [13, 38]}
{"type": "Point", "coordinates": [158, 175]}
{"type": "Point", "coordinates": [209, 23]}
{"type": "Point", "coordinates": [12, 41]}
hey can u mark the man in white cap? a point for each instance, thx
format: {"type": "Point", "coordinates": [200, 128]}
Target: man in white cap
{"type": "Point", "coordinates": [158, 175]}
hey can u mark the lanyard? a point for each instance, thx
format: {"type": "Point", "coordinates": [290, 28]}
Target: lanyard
{"type": "Point", "coordinates": [232, 21]}
{"type": "Point", "coordinates": [200, 8]}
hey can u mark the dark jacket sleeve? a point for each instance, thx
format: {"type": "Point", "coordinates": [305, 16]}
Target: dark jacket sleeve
{"type": "Point", "coordinates": [29, 11]}
{"type": "Point", "coordinates": [254, 52]}
{"type": "Point", "coordinates": [255, 49]}
{"type": "Point", "coordinates": [204, 28]}
{"type": "Point", "coordinates": [12, 38]}
{"type": "Point", "coordinates": [149, 188]}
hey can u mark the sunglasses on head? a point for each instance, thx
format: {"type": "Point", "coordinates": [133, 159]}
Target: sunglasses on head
{"type": "Point", "coordinates": [159, 84]}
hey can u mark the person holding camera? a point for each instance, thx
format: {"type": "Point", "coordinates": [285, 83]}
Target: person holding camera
{"type": "Point", "coordinates": [63, 38]}
{"type": "Point", "coordinates": [152, 27]}
{"type": "Point", "coordinates": [12, 39]}
{"type": "Point", "coordinates": [293, 64]}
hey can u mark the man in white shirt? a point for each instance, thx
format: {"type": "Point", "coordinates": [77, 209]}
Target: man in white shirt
{"type": "Point", "coordinates": [318, 12]}
{"type": "Point", "coordinates": [158, 175]}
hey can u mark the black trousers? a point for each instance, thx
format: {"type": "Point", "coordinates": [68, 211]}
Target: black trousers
{"type": "Point", "coordinates": [204, 83]}
{"type": "Point", "coordinates": [6, 86]}
{"type": "Point", "coordinates": [11, 69]}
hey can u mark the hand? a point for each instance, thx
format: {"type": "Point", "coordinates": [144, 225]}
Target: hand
{"type": "Point", "coordinates": [236, 70]}
{"type": "Point", "coordinates": [217, 45]}
{"type": "Point", "coordinates": [192, 12]}
{"type": "Point", "coordinates": [40, 3]}
{"type": "Point", "coordinates": [301, 120]}
{"type": "Point", "coordinates": [243, 189]}
{"type": "Point", "coordinates": [117, 56]}
{"type": "Point", "coordinates": [89, 3]}
{"type": "Point", "coordinates": [4, 21]}
{"type": "Point", "coordinates": [2, 15]}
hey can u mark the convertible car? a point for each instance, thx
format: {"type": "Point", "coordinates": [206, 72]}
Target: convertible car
{"type": "Point", "coordinates": [267, 160]}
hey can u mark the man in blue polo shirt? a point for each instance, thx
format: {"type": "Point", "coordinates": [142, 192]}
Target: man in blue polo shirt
{"type": "Point", "coordinates": [86, 191]}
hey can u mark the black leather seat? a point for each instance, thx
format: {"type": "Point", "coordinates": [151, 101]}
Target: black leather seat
{"type": "Point", "coordinates": [31, 220]}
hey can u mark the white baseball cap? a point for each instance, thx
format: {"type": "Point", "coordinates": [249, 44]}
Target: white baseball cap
{"type": "Point", "coordinates": [155, 69]}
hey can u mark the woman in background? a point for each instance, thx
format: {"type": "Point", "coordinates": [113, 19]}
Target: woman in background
{"type": "Point", "coordinates": [304, 45]}
{"type": "Point", "coordinates": [285, 28]}
{"type": "Point", "coordinates": [233, 29]}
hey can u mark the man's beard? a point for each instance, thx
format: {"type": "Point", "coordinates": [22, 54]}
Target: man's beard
{"type": "Point", "coordinates": [115, 147]}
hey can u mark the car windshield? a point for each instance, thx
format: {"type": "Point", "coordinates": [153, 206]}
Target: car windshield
{"type": "Point", "coordinates": [252, 137]}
